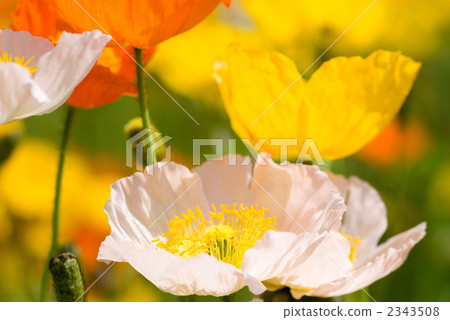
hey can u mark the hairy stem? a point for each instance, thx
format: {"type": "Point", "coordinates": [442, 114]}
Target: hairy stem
{"type": "Point", "coordinates": [56, 205]}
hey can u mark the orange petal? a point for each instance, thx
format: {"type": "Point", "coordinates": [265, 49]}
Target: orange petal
{"type": "Point", "coordinates": [141, 23]}
{"type": "Point", "coordinates": [39, 18]}
{"type": "Point", "coordinates": [100, 87]}
{"type": "Point", "coordinates": [89, 240]}
{"type": "Point", "coordinates": [417, 141]}
{"type": "Point", "coordinates": [397, 142]}
{"type": "Point", "coordinates": [386, 148]}
{"type": "Point", "coordinates": [128, 68]}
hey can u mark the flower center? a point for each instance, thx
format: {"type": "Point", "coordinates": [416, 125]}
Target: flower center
{"type": "Point", "coordinates": [354, 241]}
{"type": "Point", "coordinates": [109, 59]}
{"type": "Point", "coordinates": [226, 235]}
{"type": "Point", "coordinates": [5, 57]}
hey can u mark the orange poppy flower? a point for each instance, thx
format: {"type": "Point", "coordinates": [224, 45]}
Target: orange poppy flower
{"type": "Point", "coordinates": [407, 142]}
{"type": "Point", "coordinates": [114, 73]}
{"type": "Point", "coordinates": [140, 23]}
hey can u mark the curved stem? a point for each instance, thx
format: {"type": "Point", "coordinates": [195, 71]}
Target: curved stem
{"type": "Point", "coordinates": [145, 112]}
{"type": "Point", "coordinates": [56, 205]}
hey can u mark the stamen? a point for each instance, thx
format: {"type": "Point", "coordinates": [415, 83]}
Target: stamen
{"type": "Point", "coordinates": [226, 235]}
{"type": "Point", "coordinates": [5, 57]}
{"type": "Point", "coordinates": [354, 241]}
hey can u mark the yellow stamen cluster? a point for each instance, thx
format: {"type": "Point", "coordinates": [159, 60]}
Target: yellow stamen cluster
{"type": "Point", "coordinates": [354, 241]}
{"type": "Point", "coordinates": [226, 235]}
{"type": "Point", "coordinates": [5, 57]}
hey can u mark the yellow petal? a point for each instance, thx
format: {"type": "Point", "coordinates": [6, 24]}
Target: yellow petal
{"type": "Point", "coordinates": [350, 100]}
{"type": "Point", "coordinates": [344, 105]}
{"type": "Point", "coordinates": [250, 81]}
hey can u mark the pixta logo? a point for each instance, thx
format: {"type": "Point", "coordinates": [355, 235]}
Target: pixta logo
{"type": "Point", "coordinates": [147, 145]}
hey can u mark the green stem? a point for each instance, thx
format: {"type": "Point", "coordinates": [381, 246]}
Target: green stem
{"type": "Point", "coordinates": [56, 205]}
{"type": "Point", "coordinates": [145, 111]}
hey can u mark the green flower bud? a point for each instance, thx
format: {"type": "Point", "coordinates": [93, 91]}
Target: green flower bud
{"type": "Point", "coordinates": [67, 278]}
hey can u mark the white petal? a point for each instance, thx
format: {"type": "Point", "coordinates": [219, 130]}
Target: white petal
{"type": "Point", "coordinates": [62, 69]}
{"type": "Point", "coordinates": [365, 217]}
{"type": "Point", "coordinates": [278, 252]}
{"type": "Point", "coordinates": [200, 275]}
{"type": "Point", "coordinates": [17, 91]}
{"type": "Point", "coordinates": [340, 182]}
{"type": "Point", "coordinates": [226, 181]}
{"type": "Point", "coordinates": [23, 44]}
{"type": "Point", "coordinates": [388, 258]}
{"type": "Point", "coordinates": [301, 196]}
{"type": "Point", "coordinates": [329, 261]}
{"type": "Point", "coordinates": [141, 205]}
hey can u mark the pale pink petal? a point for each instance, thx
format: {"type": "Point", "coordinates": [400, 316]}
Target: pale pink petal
{"type": "Point", "coordinates": [60, 70]}
{"type": "Point", "coordinates": [226, 181]}
{"type": "Point", "coordinates": [23, 44]}
{"type": "Point", "coordinates": [340, 182]}
{"type": "Point", "coordinates": [303, 261]}
{"type": "Point", "coordinates": [141, 205]}
{"type": "Point", "coordinates": [329, 261]}
{"type": "Point", "coordinates": [301, 197]}
{"type": "Point", "coordinates": [200, 275]}
{"type": "Point", "coordinates": [386, 259]}
{"type": "Point", "coordinates": [365, 217]}
{"type": "Point", "coordinates": [278, 252]}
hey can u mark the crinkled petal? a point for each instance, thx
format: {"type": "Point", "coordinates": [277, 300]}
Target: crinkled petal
{"type": "Point", "coordinates": [389, 257]}
{"type": "Point", "coordinates": [63, 68]}
{"type": "Point", "coordinates": [301, 196]}
{"type": "Point", "coordinates": [278, 252]}
{"type": "Point", "coordinates": [366, 214]}
{"type": "Point", "coordinates": [343, 106]}
{"type": "Point", "coordinates": [141, 205]}
{"type": "Point", "coordinates": [200, 275]}
{"type": "Point", "coordinates": [250, 82]}
{"type": "Point", "coordinates": [350, 100]}
{"type": "Point", "coordinates": [232, 174]}
{"type": "Point", "coordinates": [328, 261]}
{"type": "Point", "coordinates": [17, 91]}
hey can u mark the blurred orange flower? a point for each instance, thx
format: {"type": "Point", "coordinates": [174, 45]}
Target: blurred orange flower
{"type": "Point", "coordinates": [6, 6]}
{"type": "Point", "coordinates": [399, 141]}
{"type": "Point", "coordinates": [114, 73]}
{"type": "Point", "coordinates": [140, 23]}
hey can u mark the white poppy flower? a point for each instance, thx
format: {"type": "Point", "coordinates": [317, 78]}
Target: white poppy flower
{"type": "Point", "coordinates": [364, 223]}
{"type": "Point", "coordinates": [220, 227]}
{"type": "Point", "coordinates": [36, 77]}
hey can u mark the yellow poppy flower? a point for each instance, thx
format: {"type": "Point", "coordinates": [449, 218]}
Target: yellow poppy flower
{"type": "Point", "coordinates": [343, 106]}
{"type": "Point", "coordinates": [301, 30]}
